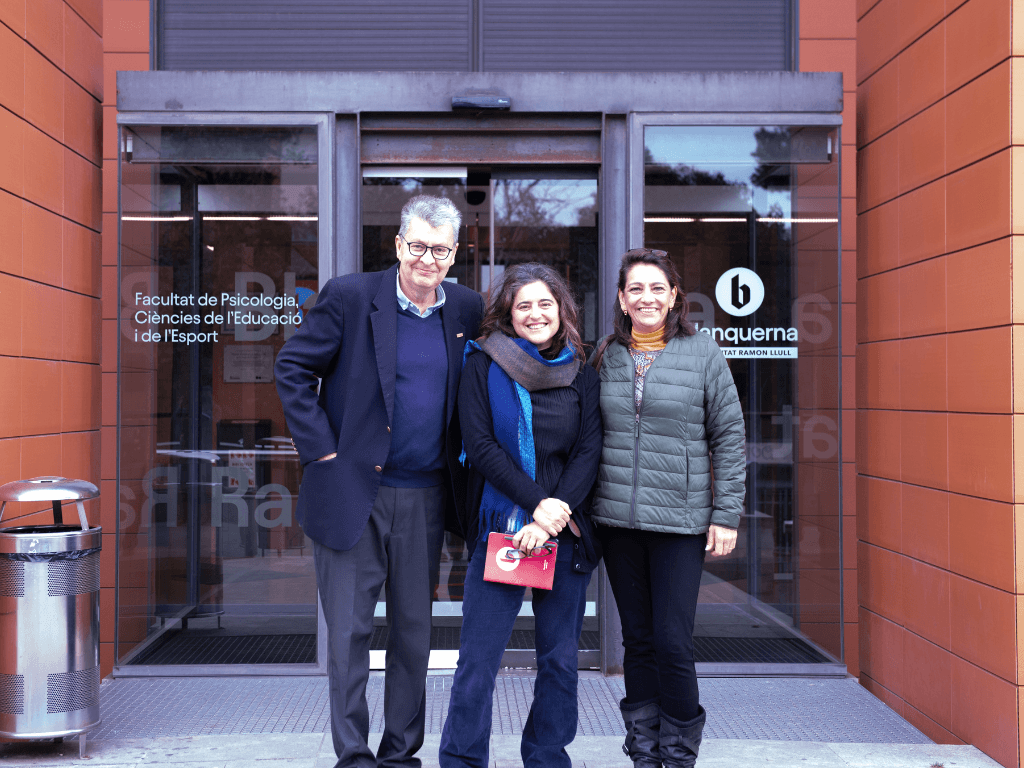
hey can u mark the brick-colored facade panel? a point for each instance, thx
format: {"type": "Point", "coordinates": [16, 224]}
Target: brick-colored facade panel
{"type": "Point", "coordinates": [955, 208]}
{"type": "Point", "coordinates": [922, 78]}
{"type": "Point", "coordinates": [925, 522]}
{"type": "Point", "coordinates": [49, 352]}
{"type": "Point", "coordinates": [126, 26]}
{"type": "Point", "coordinates": [924, 448]}
{"type": "Point", "coordinates": [43, 243]}
{"type": "Point", "coordinates": [986, 711]}
{"type": "Point", "coordinates": [44, 27]}
{"type": "Point", "coordinates": [921, 229]}
{"type": "Point", "coordinates": [12, 14]}
{"type": "Point", "coordinates": [921, 364]}
{"type": "Point", "coordinates": [877, 38]}
{"type": "Point", "coordinates": [929, 679]}
{"type": "Point", "coordinates": [825, 19]}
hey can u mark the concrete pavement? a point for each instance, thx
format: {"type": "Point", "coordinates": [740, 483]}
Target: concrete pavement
{"type": "Point", "coordinates": [282, 722]}
{"type": "Point", "coordinates": [316, 751]}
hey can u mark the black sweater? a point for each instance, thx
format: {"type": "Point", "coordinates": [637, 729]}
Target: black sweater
{"type": "Point", "coordinates": [567, 453]}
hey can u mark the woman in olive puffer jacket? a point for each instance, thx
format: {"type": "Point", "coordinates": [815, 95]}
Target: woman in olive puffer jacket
{"type": "Point", "coordinates": [671, 414]}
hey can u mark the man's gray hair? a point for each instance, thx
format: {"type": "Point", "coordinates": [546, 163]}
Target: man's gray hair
{"type": "Point", "coordinates": [436, 211]}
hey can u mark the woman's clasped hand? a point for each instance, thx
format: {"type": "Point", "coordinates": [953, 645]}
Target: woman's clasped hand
{"type": "Point", "coordinates": [549, 519]}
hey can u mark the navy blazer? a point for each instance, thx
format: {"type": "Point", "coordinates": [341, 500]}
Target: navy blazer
{"type": "Point", "coordinates": [349, 340]}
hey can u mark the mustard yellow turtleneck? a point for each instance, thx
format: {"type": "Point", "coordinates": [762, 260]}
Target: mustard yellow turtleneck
{"type": "Point", "coordinates": [648, 342]}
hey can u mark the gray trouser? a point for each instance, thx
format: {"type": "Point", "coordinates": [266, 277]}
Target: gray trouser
{"type": "Point", "coordinates": [400, 548]}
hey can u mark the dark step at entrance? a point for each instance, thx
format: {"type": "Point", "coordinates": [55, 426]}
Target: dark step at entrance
{"type": "Point", "coordinates": [193, 648]}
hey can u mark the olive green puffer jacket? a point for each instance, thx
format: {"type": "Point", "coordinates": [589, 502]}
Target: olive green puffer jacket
{"type": "Point", "coordinates": [656, 475]}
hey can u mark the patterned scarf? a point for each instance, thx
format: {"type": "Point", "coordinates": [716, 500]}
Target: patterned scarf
{"type": "Point", "coordinates": [516, 369]}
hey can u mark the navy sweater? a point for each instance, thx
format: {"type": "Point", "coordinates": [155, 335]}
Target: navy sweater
{"type": "Point", "coordinates": [417, 456]}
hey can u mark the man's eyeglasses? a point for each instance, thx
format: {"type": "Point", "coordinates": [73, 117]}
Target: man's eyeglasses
{"type": "Point", "coordinates": [439, 252]}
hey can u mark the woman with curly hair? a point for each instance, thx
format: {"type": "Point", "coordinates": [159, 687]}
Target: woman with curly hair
{"type": "Point", "coordinates": [531, 426]}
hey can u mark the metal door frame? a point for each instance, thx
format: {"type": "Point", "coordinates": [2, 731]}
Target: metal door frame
{"type": "Point", "coordinates": [623, 101]}
{"type": "Point", "coordinates": [325, 177]}
{"type": "Point", "coordinates": [515, 658]}
{"type": "Point", "coordinates": [638, 121]}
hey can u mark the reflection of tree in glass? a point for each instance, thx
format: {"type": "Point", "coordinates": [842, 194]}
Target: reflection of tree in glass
{"type": "Point", "coordinates": [554, 222]}
{"type": "Point", "coordinates": [586, 216]}
{"type": "Point", "coordinates": [529, 211]}
{"type": "Point", "coordinates": [773, 170]}
{"type": "Point", "coordinates": [678, 174]}
{"type": "Point", "coordinates": [772, 154]}
{"type": "Point", "coordinates": [298, 147]}
{"type": "Point", "coordinates": [527, 203]}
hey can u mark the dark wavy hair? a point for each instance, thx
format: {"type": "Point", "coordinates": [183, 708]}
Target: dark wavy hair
{"type": "Point", "coordinates": [498, 316]}
{"type": "Point", "coordinates": [676, 324]}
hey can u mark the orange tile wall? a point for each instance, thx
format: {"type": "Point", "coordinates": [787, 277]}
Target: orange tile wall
{"type": "Point", "coordinates": [51, 88]}
{"type": "Point", "coordinates": [939, 391]}
{"type": "Point", "coordinates": [827, 43]}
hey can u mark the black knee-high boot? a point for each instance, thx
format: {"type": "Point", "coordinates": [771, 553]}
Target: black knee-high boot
{"type": "Point", "coordinates": [641, 721]}
{"type": "Point", "coordinates": [679, 741]}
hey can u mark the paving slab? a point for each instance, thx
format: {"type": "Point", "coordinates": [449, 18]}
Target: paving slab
{"type": "Point", "coordinates": [302, 751]}
{"type": "Point", "coordinates": [295, 749]}
{"type": "Point", "coordinates": [284, 722]}
{"type": "Point", "coordinates": [913, 755]}
{"type": "Point", "coordinates": [787, 709]}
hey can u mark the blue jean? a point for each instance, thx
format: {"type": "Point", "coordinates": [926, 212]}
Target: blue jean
{"type": "Point", "coordinates": [489, 612]}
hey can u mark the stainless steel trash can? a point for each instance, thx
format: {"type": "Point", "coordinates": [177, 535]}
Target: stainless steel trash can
{"type": "Point", "coordinates": [49, 616]}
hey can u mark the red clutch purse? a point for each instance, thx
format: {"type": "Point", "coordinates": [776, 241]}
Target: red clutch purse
{"type": "Point", "coordinates": [507, 565]}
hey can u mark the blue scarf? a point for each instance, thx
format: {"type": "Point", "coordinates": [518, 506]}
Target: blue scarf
{"type": "Point", "coordinates": [512, 417]}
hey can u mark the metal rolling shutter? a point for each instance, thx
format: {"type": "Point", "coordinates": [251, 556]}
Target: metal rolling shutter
{"type": "Point", "coordinates": [524, 35]}
{"type": "Point", "coordinates": [402, 35]}
{"type": "Point", "coordinates": [636, 35]}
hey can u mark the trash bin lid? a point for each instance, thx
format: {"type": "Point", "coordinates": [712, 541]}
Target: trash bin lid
{"type": "Point", "coordinates": [48, 488]}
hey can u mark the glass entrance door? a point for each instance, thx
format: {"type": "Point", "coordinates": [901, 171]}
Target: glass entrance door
{"type": "Point", "coordinates": [750, 216]}
{"type": "Point", "coordinates": [510, 215]}
{"type": "Point", "coordinates": [220, 257]}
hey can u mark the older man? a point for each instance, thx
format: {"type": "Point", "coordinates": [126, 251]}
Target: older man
{"type": "Point", "coordinates": [379, 444]}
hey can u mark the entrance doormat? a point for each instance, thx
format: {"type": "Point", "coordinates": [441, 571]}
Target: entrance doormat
{"type": "Point", "coordinates": [187, 648]}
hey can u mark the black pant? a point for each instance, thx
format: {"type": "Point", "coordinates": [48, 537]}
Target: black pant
{"type": "Point", "coordinates": [655, 578]}
{"type": "Point", "coordinates": [400, 548]}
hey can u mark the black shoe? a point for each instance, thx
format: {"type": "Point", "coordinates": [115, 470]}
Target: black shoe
{"type": "Point", "coordinates": [641, 721]}
{"type": "Point", "coordinates": [680, 741]}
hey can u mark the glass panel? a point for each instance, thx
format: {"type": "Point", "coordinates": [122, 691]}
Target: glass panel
{"type": "Point", "coordinates": [219, 253]}
{"type": "Point", "coordinates": [520, 215]}
{"type": "Point", "coordinates": [551, 219]}
{"type": "Point", "coordinates": [750, 215]}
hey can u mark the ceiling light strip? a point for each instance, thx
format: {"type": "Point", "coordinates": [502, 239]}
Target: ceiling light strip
{"type": "Point", "coordinates": [735, 220]}
{"type": "Point", "coordinates": [797, 220]}
{"type": "Point", "coordinates": [156, 218]}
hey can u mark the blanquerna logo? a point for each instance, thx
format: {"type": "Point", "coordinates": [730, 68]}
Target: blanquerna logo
{"type": "Point", "coordinates": [739, 291]}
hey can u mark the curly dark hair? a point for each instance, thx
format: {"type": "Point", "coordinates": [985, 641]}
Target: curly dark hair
{"type": "Point", "coordinates": [498, 316]}
{"type": "Point", "coordinates": [676, 324]}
